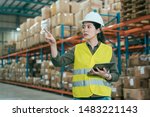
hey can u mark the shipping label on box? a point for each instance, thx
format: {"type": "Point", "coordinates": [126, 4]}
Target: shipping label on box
{"type": "Point", "coordinates": [142, 72]}
{"type": "Point", "coordinates": [132, 82]}
{"type": "Point", "coordinates": [136, 94]}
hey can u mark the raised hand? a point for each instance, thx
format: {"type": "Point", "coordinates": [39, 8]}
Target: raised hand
{"type": "Point", "coordinates": [49, 38]}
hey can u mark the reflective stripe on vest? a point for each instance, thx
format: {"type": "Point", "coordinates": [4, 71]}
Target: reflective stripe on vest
{"type": "Point", "coordinates": [80, 71]}
{"type": "Point", "coordinates": [91, 82]}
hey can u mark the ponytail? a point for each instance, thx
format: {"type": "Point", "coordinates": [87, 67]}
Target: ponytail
{"type": "Point", "coordinates": [100, 36]}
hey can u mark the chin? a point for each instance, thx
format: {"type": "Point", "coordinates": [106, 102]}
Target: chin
{"type": "Point", "coordinates": [86, 37]}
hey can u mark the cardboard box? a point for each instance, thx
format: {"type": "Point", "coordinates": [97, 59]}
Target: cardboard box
{"type": "Point", "coordinates": [55, 79]}
{"type": "Point", "coordinates": [149, 83]}
{"type": "Point", "coordinates": [92, 4]}
{"type": "Point", "coordinates": [67, 81]}
{"type": "Point", "coordinates": [138, 60]}
{"type": "Point", "coordinates": [148, 58]}
{"type": "Point", "coordinates": [62, 6]}
{"type": "Point", "coordinates": [96, 5]}
{"type": "Point", "coordinates": [54, 21]}
{"type": "Point", "coordinates": [86, 11]}
{"type": "Point", "coordinates": [65, 18]}
{"type": "Point", "coordinates": [142, 71]}
{"type": "Point", "coordinates": [132, 82]}
{"type": "Point", "coordinates": [37, 27]}
{"type": "Point", "coordinates": [130, 71]}
{"type": "Point", "coordinates": [136, 94]}
{"type": "Point", "coordinates": [36, 38]}
{"type": "Point", "coordinates": [30, 22]}
{"type": "Point", "coordinates": [37, 19]}
{"type": "Point", "coordinates": [105, 18]}
{"type": "Point", "coordinates": [116, 6]}
{"type": "Point", "coordinates": [78, 18]}
{"type": "Point", "coordinates": [53, 9]}
{"type": "Point", "coordinates": [23, 27]}
{"type": "Point", "coordinates": [74, 7]}
{"type": "Point", "coordinates": [117, 88]}
{"type": "Point", "coordinates": [67, 31]}
{"type": "Point", "coordinates": [42, 37]}
{"type": "Point", "coordinates": [45, 11]}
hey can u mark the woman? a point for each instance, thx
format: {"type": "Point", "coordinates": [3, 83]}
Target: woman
{"type": "Point", "coordinates": [85, 56]}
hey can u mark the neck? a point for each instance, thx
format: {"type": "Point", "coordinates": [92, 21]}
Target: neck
{"type": "Point", "coordinates": [93, 42]}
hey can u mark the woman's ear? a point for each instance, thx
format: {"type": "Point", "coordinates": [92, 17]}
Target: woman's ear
{"type": "Point", "coordinates": [98, 30]}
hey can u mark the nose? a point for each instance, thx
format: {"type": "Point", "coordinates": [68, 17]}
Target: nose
{"type": "Point", "coordinates": [85, 29]}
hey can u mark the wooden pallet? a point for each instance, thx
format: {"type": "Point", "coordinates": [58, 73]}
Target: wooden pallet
{"type": "Point", "coordinates": [126, 17]}
{"type": "Point", "coordinates": [135, 9]}
{"type": "Point", "coordinates": [140, 13]}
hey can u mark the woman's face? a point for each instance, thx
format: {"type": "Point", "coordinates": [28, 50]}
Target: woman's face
{"type": "Point", "coordinates": [89, 31]}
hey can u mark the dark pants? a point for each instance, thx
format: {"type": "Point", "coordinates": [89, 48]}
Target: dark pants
{"type": "Point", "coordinates": [94, 98]}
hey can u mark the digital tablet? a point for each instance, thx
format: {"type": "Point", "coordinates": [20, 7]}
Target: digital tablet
{"type": "Point", "coordinates": [107, 66]}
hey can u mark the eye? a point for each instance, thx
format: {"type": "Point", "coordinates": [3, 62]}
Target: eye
{"type": "Point", "coordinates": [83, 26]}
{"type": "Point", "coordinates": [89, 26]}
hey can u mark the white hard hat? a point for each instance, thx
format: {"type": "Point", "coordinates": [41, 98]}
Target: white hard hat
{"type": "Point", "coordinates": [93, 17]}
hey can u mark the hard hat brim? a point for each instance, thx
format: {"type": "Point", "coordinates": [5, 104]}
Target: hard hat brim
{"type": "Point", "coordinates": [90, 21]}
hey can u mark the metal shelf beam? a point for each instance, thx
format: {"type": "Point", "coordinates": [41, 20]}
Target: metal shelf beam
{"type": "Point", "coordinates": [59, 91]}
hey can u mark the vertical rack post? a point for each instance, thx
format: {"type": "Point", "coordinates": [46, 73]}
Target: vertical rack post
{"type": "Point", "coordinates": [62, 51]}
{"type": "Point", "coordinates": [126, 48]}
{"type": "Point", "coordinates": [119, 47]}
{"type": "Point", "coordinates": [41, 58]}
{"type": "Point", "coordinates": [2, 63]}
{"type": "Point", "coordinates": [27, 65]}
{"type": "Point", "coordinates": [41, 54]}
{"type": "Point", "coordinates": [146, 43]}
{"type": "Point", "coordinates": [2, 48]}
{"type": "Point", "coordinates": [16, 58]}
{"type": "Point", "coordinates": [46, 56]}
{"type": "Point", "coordinates": [35, 55]}
{"type": "Point", "coordinates": [9, 60]}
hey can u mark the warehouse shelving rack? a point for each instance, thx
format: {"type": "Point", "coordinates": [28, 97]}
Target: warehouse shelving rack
{"type": "Point", "coordinates": [115, 30]}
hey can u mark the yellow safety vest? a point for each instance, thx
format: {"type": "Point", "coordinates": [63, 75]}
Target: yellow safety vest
{"type": "Point", "coordinates": [83, 84]}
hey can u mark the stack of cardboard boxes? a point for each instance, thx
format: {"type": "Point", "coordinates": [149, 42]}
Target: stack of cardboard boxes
{"type": "Point", "coordinates": [136, 83]}
{"type": "Point", "coordinates": [8, 48]}
{"type": "Point", "coordinates": [2, 76]}
{"type": "Point", "coordinates": [66, 12]}
{"type": "Point", "coordinates": [67, 81]}
{"type": "Point", "coordinates": [117, 92]}
{"type": "Point", "coordinates": [46, 69]}
{"type": "Point", "coordinates": [56, 78]}
{"type": "Point", "coordinates": [60, 12]}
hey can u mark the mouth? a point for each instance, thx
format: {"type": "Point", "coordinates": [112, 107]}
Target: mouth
{"type": "Point", "coordinates": [85, 35]}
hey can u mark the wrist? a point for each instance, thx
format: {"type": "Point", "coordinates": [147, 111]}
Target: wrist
{"type": "Point", "coordinates": [108, 76]}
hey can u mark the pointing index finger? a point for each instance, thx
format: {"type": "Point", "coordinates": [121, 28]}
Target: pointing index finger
{"type": "Point", "coordinates": [47, 32]}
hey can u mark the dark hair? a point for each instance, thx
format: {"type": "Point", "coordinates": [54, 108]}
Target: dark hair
{"type": "Point", "coordinates": [100, 35]}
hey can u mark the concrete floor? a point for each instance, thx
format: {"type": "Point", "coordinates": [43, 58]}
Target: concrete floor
{"type": "Point", "coordinates": [13, 92]}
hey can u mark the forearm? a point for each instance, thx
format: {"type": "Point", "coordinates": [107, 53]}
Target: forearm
{"type": "Point", "coordinates": [66, 59]}
{"type": "Point", "coordinates": [114, 71]}
{"type": "Point", "coordinates": [114, 77]}
{"type": "Point", "coordinates": [54, 51]}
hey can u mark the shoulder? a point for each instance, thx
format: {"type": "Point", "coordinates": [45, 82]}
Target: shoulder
{"type": "Point", "coordinates": [80, 45]}
{"type": "Point", "coordinates": [106, 46]}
